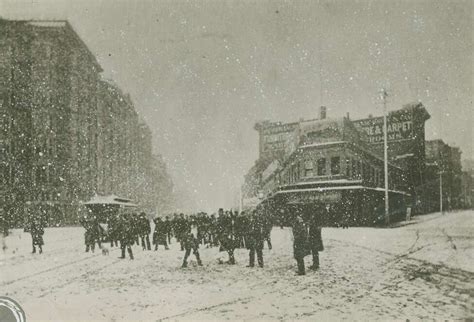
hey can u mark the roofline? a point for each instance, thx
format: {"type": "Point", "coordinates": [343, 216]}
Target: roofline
{"type": "Point", "coordinates": [406, 107]}
{"type": "Point", "coordinates": [81, 42]}
{"type": "Point", "coordinates": [337, 188]}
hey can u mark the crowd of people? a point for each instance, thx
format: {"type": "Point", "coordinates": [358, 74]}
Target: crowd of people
{"type": "Point", "coordinates": [228, 230]}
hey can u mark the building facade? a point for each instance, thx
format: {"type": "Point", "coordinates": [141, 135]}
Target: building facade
{"type": "Point", "coordinates": [406, 141]}
{"type": "Point", "coordinates": [338, 164]}
{"type": "Point", "coordinates": [444, 176]}
{"type": "Point", "coordinates": [334, 172]}
{"type": "Point", "coordinates": [65, 134]}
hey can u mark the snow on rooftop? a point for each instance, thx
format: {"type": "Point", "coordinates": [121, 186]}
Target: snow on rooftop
{"type": "Point", "coordinates": [321, 144]}
{"type": "Point", "coordinates": [46, 23]}
{"type": "Point", "coordinates": [110, 200]}
{"type": "Point", "coordinates": [342, 181]}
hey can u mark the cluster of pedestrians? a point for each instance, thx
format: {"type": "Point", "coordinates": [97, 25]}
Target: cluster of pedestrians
{"type": "Point", "coordinates": [228, 230]}
{"type": "Point", "coordinates": [125, 229]}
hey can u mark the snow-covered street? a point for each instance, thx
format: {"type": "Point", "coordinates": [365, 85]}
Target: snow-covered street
{"type": "Point", "coordinates": [423, 269]}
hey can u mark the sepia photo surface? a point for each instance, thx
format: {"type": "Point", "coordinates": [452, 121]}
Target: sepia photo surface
{"type": "Point", "coordinates": [236, 160]}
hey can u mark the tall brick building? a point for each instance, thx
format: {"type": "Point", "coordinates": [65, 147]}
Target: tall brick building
{"type": "Point", "coordinates": [324, 163]}
{"type": "Point", "coordinates": [339, 162]}
{"type": "Point", "coordinates": [443, 160]}
{"type": "Point", "coordinates": [65, 134]}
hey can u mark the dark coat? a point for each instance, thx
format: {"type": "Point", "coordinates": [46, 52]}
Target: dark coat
{"type": "Point", "coordinates": [300, 240]}
{"type": "Point", "coordinates": [160, 233]}
{"type": "Point", "coordinates": [226, 233]}
{"type": "Point", "coordinates": [190, 242]}
{"type": "Point", "coordinates": [126, 231]}
{"type": "Point", "coordinates": [37, 232]}
{"type": "Point", "coordinates": [256, 234]}
{"type": "Point", "coordinates": [314, 239]}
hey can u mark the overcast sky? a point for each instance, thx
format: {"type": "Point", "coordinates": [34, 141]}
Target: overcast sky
{"type": "Point", "coordinates": [201, 73]}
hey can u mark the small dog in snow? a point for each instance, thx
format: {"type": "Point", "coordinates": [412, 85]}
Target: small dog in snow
{"type": "Point", "coordinates": [105, 251]}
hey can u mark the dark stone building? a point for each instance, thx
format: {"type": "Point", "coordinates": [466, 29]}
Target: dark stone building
{"type": "Point", "coordinates": [443, 166]}
{"type": "Point", "coordinates": [65, 134]}
{"type": "Point", "coordinates": [325, 164]}
{"type": "Point", "coordinates": [406, 141]}
{"type": "Point", "coordinates": [326, 161]}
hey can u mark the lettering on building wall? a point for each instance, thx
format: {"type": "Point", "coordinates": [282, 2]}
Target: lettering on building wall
{"type": "Point", "coordinates": [277, 137]}
{"type": "Point", "coordinates": [321, 197]}
{"type": "Point", "coordinates": [399, 127]}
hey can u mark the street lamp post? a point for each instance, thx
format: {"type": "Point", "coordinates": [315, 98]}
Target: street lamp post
{"type": "Point", "coordinates": [441, 192]}
{"type": "Point", "coordinates": [385, 155]}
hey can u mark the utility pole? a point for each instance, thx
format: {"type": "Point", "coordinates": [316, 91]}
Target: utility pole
{"type": "Point", "coordinates": [240, 200]}
{"type": "Point", "coordinates": [441, 191]}
{"type": "Point", "coordinates": [385, 155]}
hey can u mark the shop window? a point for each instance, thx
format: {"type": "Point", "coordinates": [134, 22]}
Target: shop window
{"type": "Point", "coordinates": [335, 165]}
{"type": "Point", "coordinates": [354, 168]}
{"type": "Point", "coordinates": [322, 167]}
{"type": "Point", "coordinates": [308, 168]}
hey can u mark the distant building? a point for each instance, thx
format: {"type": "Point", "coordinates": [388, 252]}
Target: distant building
{"type": "Point", "coordinates": [468, 183]}
{"type": "Point", "coordinates": [325, 164]}
{"type": "Point", "coordinates": [65, 134]}
{"type": "Point", "coordinates": [406, 141]}
{"type": "Point", "coordinates": [338, 163]}
{"type": "Point", "coordinates": [443, 161]}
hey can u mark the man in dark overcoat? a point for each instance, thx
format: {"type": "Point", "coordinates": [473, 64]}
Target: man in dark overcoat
{"type": "Point", "coordinates": [254, 239]}
{"type": "Point", "coordinates": [182, 228]}
{"type": "Point", "coordinates": [36, 227]}
{"type": "Point", "coordinates": [168, 227]}
{"type": "Point", "coordinates": [127, 234]}
{"type": "Point", "coordinates": [144, 231]}
{"type": "Point", "coordinates": [227, 234]}
{"type": "Point", "coordinates": [300, 240]}
{"type": "Point", "coordinates": [315, 239]}
{"type": "Point", "coordinates": [160, 233]}
{"type": "Point", "coordinates": [190, 243]}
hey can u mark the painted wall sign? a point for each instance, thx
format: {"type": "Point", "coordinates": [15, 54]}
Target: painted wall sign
{"type": "Point", "coordinates": [399, 127]}
{"type": "Point", "coordinates": [278, 137]}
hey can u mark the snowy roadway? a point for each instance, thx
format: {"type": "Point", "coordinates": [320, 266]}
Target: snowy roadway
{"type": "Point", "coordinates": [421, 270]}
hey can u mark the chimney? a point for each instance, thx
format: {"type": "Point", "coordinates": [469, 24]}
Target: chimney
{"type": "Point", "coordinates": [347, 115]}
{"type": "Point", "coordinates": [370, 116]}
{"type": "Point", "coordinates": [322, 112]}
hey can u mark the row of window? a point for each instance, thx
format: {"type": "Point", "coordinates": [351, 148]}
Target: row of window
{"type": "Point", "coordinates": [354, 169]}
{"type": "Point", "coordinates": [310, 170]}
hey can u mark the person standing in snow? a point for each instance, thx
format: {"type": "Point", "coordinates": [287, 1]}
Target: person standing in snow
{"type": "Point", "coordinates": [36, 228]}
{"type": "Point", "coordinates": [168, 227]}
{"type": "Point", "coordinates": [181, 229]}
{"type": "Point", "coordinates": [160, 233]}
{"type": "Point", "coordinates": [226, 232]}
{"type": "Point", "coordinates": [92, 233]}
{"type": "Point", "coordinates": [191, 243]}
{"type": "Point", "coordinates": [254, 239]}
{"type": "Point", "coordinates": [127, 234]}
{"type": "Point", "coordinates": [213, 231]}
{"type": "Point", "coordinates": [300, 240]}
{"type": "Point", "coordinates": [113, 232]}
{"type": "Point", "coordinates": [267, 226]}
{"type": "Point", "coordinates": [144, 231]}
{"type": "Point", "coordinates": [241, 225]}
{"type": "Point", "coordinates": [315, 239]}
